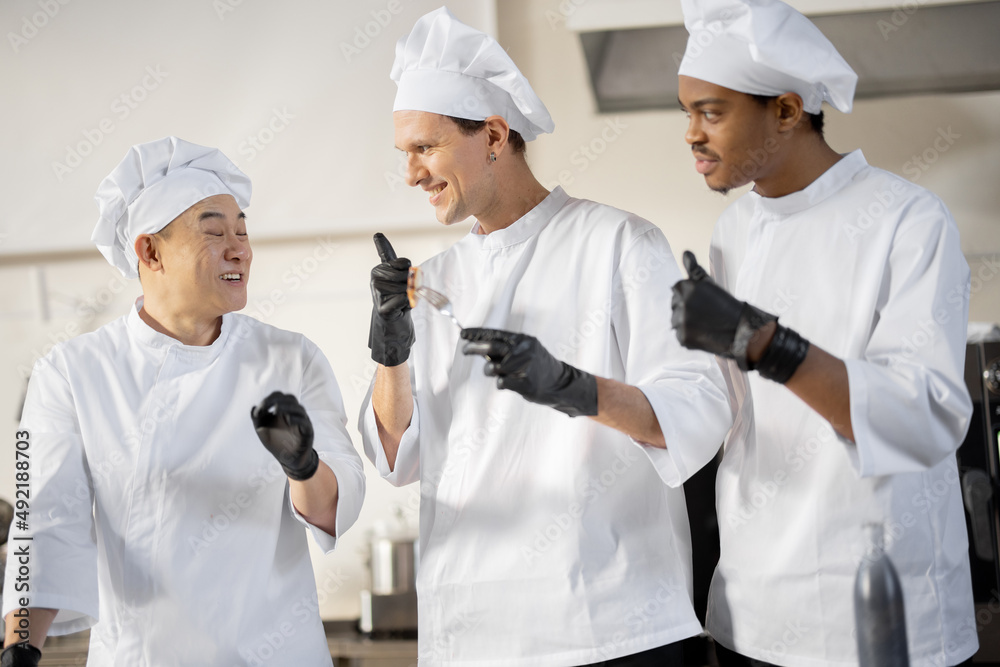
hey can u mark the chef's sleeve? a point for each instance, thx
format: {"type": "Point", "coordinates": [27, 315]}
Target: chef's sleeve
{"type": "Point", "coordinates": [322, 400]}
{"type": "Point", "coordinates": [909, 404]}
{"type": "Point", "coordinates": [59, 570]}
{"type": "Point", "coordinates": [684, 387]}
{"type": "Point", "coordinates": [407, 468]}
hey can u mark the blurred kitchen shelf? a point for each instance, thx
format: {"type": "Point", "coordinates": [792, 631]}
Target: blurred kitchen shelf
{"type": "Point", "coordinates": [349, 648]}
{"type": "Point", "coordinates": [66, 650]}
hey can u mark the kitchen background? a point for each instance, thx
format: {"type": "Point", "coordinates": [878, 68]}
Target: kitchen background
{"type": "Point", "coordinates": [298, 94]}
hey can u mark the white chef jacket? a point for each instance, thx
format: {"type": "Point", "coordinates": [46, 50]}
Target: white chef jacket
{"type": "Point", "coordinates": [156, 508]}
{"type": "Point", "coordinates": [868, 267]}
{"type": "Point", "coordinates": [549, 540]}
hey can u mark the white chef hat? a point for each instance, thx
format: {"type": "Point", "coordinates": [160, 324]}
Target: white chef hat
{"type": "Point", "coordinates": [765, 47]}
{"type": "Point", "coordinates": [151, 186]}
{"type": "Point", "coordinates": [445, 67]}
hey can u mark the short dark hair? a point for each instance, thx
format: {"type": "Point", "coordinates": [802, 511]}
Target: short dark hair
{"type": "Point", "coordinates": [471, 127]}
{"type": "Point", "coordinates": [815, 119]}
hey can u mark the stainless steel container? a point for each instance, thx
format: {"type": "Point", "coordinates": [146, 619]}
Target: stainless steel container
{"type": "Point", "coordinates": [393, 564]}
{"type": "Point", "coordinates": [389, 605]}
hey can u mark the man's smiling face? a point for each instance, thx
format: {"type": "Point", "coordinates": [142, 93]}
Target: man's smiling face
{"type": "Point", "coordinates": [451, 166]}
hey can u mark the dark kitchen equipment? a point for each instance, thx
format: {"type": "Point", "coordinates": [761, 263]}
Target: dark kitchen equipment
{"type": "Point", "coordinates": [979, 471]}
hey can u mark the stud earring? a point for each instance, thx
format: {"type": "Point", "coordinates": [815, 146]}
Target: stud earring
{"type": "Point", "coordinates": [493, 157]}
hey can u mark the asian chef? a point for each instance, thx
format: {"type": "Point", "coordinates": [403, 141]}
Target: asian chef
{"type": "Point", "coordinates": [552, 523]}
{"type": "Point", "coordinates": [157, 517]}
{"type": "Point", "coordinates": [856, 403]}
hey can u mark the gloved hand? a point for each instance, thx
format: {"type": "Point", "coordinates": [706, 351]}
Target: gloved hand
{"type": "Point", "coordinates": [520, 363]}
{"type": "Point", "coordinates": [284, 427]}
{"type": "Point", "coordinates": [391, 334]}
{"type": "Point", "coordinates": [707, 317]}
{"type": "Point", "coordinates": [21, 654]}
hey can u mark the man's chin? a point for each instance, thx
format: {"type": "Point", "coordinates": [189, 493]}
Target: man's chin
{"type": "Point", "coordinates": [231, 306]}
{"type": "Point", "coordinates": [724, 186]}
{"type": "Point", "coordinates": [447, 218]}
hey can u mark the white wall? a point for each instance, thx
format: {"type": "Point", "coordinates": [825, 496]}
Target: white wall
{"type": "Point", "coordinates": [642, 165]}
{"type": "Point", "coordinates": [266, 82]}
{"type": "Point", "coordinates": [646, 166]}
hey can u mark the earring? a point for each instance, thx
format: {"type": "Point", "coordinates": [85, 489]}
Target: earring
{"type": "Point", "coordinates": [493, 157]}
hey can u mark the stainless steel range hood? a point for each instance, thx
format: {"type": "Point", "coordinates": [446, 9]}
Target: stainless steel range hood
{"type": "Point", "coordinates": [910, 49]}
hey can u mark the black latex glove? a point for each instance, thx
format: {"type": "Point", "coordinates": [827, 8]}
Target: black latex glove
{"type": "Point", "coordinates": [22, 654]}
{"type": "Point", "coordinates": [520, 363]}
{"type": "Point", "coordinates": [391, 334]}
{"type": "Point", "coordinates": [284, 427]}
{"type": "Point", "coordinates": [707, 317]}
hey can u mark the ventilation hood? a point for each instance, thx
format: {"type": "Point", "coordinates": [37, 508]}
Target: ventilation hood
{"type": "Point", "coordinates": [633, 47]}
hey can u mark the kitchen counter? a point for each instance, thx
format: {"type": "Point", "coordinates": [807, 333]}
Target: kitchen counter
{"type": "Point", "coordinates": [347, 646]}
{"type": "Point", "coordinates": [66, 651]}
{"type": "Point", "coordinates": [351, 649]}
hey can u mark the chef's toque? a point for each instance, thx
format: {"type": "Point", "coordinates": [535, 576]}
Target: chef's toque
{"type": "Point", "coordinates": [765, 47]}
{"type": "Point", "coordinates": [151, 186]}
{"type": "Point", "coordinates": [445, 67]}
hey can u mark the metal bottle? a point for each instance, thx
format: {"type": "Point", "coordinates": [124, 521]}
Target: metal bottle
{"type": "Point", "coordinates": [879, 615]}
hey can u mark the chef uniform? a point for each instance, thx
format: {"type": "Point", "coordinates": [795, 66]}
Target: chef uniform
{"type": "Point", "coordinates": [545, 539]}
{"type": "Point", "coordinates": [157, 517]}
{"type": "Point", "coordinates": [868, 267]}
